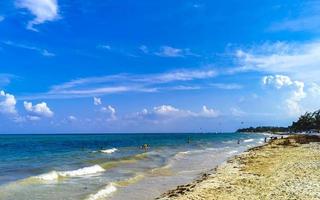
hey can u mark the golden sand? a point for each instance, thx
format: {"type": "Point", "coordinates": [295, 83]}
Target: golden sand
{"type": "Point", "coordinates": [283, 169]}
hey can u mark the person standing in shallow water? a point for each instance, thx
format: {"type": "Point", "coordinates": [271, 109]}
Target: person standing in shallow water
{"type": "Point", "coordinates": [145, 147]}
{"type": "Point", "coordinates": [238, 142]}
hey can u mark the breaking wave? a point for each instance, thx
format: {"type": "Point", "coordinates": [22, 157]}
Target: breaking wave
{"type": "Point", "coordinates": [233, 152]}
{"type": "Point", "coordinates": [248, 140]}
{"type": "Point", "coordinates": [109, 151]}
{"type": "Point", "coordinates": [55, 175]}
{"type": "Point", "coordinates": [103, 193]}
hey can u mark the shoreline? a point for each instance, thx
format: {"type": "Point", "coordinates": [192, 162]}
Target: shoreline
{"type": "Point", "coordinates": [285, 168]}
{"type": "Point", "coordinates": [170, 162]}
{"type": "Point", "coordinates": [176, 172]}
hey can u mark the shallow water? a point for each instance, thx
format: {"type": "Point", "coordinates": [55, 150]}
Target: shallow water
{"type": "Point", "coordinates": [109, 166]}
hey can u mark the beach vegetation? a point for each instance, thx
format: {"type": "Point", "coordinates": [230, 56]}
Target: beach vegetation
{"type": "Point", "coordinates": [308, 122]}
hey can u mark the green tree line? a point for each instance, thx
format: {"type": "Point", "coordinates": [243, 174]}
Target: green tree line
{"type": "Point", "coordinates": [310, 121]}
{"type": "Point", "coordinates": [307, 122]}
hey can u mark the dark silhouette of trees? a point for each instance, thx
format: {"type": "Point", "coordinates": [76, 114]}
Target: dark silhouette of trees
{"type": "Point", "coordinates": [309, 122]}
{"type": "Point", "coordinates": [261, 129]}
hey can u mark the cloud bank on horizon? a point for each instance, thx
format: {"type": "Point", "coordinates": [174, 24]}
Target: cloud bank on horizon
{"type": "Point", "coordinates": [166, 66]}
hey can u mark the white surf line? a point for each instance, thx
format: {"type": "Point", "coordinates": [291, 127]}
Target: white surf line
{"type": "Point", "coordinates": [103, 193]}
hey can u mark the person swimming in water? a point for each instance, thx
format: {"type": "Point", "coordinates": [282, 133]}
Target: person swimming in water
{"type": "Point", "coordinates": [145, 147]}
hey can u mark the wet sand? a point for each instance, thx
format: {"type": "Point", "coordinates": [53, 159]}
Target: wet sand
{"type": "Point", "coordinates": [282, 169]}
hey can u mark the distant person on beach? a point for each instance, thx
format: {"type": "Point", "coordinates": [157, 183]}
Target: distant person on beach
{"type": "Point", "coordinates": [238, 142]}
{"type": "Point", "coordinates": [265, 139]}
{"type": "Point", "coordinates": [273, 138]}
{"type": "Point", "coordinates": [189, 140]}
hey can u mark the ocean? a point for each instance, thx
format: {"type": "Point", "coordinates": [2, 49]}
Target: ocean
{"type": "Point", "coordinates": [110, 166]}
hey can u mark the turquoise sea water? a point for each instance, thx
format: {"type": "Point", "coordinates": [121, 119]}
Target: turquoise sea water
{"type": "Point", "coordinates": [109, 166]}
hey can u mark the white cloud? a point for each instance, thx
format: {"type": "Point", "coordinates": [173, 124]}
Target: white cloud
{"type": "Point", "coordinates": [208, 112]}
{"type": "Point", "coordinates": [294, 100]}
{"type": "Point", "coordinates": [120, 83]}
{"type": "Point", "coordinates": [43, 52]}
{"type": "Point", "coordinates": [227, 86]}
{"type": "Point", "coordinates": [97, 101]}
{"type": "Point", "coordinates": [179, 75]}
{"type": "Point", "coordinates": [39, 110]}
{"type": "Point", "coordinates": [311, 102]}
{"type": "Point", "coordinates": [105, 46]}
{"type": "Point", "coordinates": [314, 90]}
{"type": "Point", "coordinates": [43, 10]}
{"type": "Point", "coordinates": [88, 81]}
{"type": "Point", "coordinates": [198, 5]}
{"type": "Point", "coordinates": [298, 60]}
{"type": "Point", "coordinates": [111, 110]}
{"type": "Point", "coordinates": [237, 112]}
{"type": "Point", "coordinates": [166, 110]}
{"type": "Point", "coordinates": [309, 23]}
{"type": "Point", "coordinates": [5, 79]}
{"type": "Point", "coordinates": [182, 75]}
{"type": "Point", "coordinates": [114, 50]}
{"type": "Point", "coordinates": [144, 49]}
{"type": "Point", "coordinates": [72, 118]}
{"type": "Point", "coordinates": [277, 80]}
{"type": "Point", "coordinates": [33, 118]}
{"type": "Point", "coordinates": [181, 87]}
{"type": "Point", "coordinates": [307, 18]}
{"type": "Point", "coordinates": [167, 51]}
{"type": "Point", "coordinates": [296, 94]}
{"type": "Point", "coordinates": [169, 112]}
{"type": "Point", "coordinates": [8, 103]}
{"type": "Point", "coordinates": [99, 90]}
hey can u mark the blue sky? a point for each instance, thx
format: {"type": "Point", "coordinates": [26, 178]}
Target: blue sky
{"type": "Point", "coordinates": [156, 66]}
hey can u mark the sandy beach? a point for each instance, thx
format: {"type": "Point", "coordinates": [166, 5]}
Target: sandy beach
{"type": "Point", "coordinates": [286, 168]}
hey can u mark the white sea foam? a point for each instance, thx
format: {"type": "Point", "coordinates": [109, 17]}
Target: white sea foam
{"type": "Point", "coordinates": [182, 154]}
{"type": "Point", "coordinates": [103, 193]}
{"type": "Point", "coordinates": [229, 142]}
{"type": "Point", "coordinates": [109, 151]}
{"type": "Point", "coordinates": [51, 176]}
{"type": "Point", "coordinates": [213, 149]}
{"type": "Point", "coordinates": [83, 171]}
{"type": "Point", "coordinates": [248, 140]}
{"type": "Point", "coordinates": [54, 175]}
{"type": "Point", "coordinates": [233, 152]}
